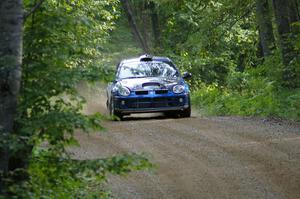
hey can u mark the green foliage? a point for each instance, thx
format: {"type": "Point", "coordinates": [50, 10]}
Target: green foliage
{"type": "Point", "coordinates": [212, 37]}
{"type": "Point", "coordinates": [53, 176]}
{"type": "Point", "coordinates": [63, 46]}
{"type": "Point", "coordinates": [62, 43]}
{"type": "Point", "coordinates": [249, 96]}
{"type": "Point", "coordinates": [120, 44]}
{"type": "Point", "coordinates": [218, 42]}
{"type": "Point", "coordinates": [289, 106]}
{"type": "Point", "coordinates": [70, 41]}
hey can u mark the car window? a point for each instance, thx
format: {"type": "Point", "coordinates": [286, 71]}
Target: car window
{"type": "Point", "coordinates": [147, 69]}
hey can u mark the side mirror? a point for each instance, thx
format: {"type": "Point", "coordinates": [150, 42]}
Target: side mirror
{"type": "Point", "coordinates": [186, 75]}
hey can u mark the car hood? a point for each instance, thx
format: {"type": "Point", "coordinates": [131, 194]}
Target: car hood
{"type": "Point", "coordinates": [149, 83]}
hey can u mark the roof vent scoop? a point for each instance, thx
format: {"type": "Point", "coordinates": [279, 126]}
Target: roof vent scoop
{"type": "Point", "coordinates": [146, 57]}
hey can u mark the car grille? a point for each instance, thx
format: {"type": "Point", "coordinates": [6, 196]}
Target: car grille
{"type": "Point", "coordinates": [158, 92]}
{"type": "Point", "coordinates": [159, 102]}
{"type": "Point", "coordinates": [141, 92]}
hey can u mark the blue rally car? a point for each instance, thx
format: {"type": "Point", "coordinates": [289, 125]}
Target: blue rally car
{"type": "Point", "coordinates": [149, 84]}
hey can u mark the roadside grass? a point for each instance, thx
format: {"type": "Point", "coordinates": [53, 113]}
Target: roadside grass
{"type": "Point", "coordinates": [261, 102]}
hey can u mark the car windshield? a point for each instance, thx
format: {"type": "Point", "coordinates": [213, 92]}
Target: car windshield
{"type": "Point", "coordinates": [147, 69]}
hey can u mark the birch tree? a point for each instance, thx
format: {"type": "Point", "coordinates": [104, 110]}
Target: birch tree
{"type": "Point", "coordinates": [11, 20]}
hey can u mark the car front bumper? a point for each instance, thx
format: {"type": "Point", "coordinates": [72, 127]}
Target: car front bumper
{"type": "Point", "coordinates": [148, 104]}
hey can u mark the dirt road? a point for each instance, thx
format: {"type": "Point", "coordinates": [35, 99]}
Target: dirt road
{"type": "Point", "coordinates": [198, 157]}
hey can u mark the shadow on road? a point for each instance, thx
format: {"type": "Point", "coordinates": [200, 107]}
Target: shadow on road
{"type": "Point", "coordinates": [149, 116]}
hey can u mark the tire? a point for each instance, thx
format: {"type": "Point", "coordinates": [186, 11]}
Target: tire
{"type": "Point", "coordinates": [118, 115]}
{"type": "Point", "coordinates": [115, 113]}
{"type": "Point", "coordinates": [186, 112]}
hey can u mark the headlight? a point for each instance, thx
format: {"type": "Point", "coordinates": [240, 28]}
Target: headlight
{"type": "Point", "coordinates": [178, 89]}
{"type": "Point", "coordinates": [123, 91]}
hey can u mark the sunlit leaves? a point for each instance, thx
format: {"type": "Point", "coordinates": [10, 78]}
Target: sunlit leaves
{"type": "Point", "coordinates": [63, 44]}
{"type": "Point", "coordinates": [61, 177]}
{"type": "Point", "coordinates": [62, 47]}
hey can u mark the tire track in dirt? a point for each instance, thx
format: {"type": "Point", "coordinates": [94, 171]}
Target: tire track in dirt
{"type": "Point", "coordinates": [269, 159]}
{"type": "Point", "coordinates": [173, 134]}
{"type": "Point", "coordinates": [219, 157]}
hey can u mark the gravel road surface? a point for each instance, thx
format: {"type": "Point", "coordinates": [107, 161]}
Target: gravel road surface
{"type": "Point", "coordinates": [198, 157]}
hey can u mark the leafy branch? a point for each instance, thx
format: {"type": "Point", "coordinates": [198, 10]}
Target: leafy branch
{"type": "Point", "coordinates": [33, 9]}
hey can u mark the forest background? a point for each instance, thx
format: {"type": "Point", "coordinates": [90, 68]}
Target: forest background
{"type": "Point", "coordinates": [244, 57]}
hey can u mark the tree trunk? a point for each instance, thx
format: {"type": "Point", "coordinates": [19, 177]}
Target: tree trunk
{"type": "Point", "coordinates": [145, 25]}
{"type": "Point", "coordinates": [294, 16]}
{"type": "Point", "coordinates": [134, 26]}
{"type": "Point", "coordinates": [155, 24]}
{"type": "Point", "coordinates": [11, 21]}
{"type": "Point", "coordinates": [281, 9]}
{"type": "Point", "coordinates": [294, 11]}
{"type": "Point", "coordinates": [265, 28]}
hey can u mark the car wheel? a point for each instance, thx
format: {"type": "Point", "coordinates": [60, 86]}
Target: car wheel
{"type": "Point", "coordinates": [113, 112]}
{"type": "Point", "coordinates": [186, 112]}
